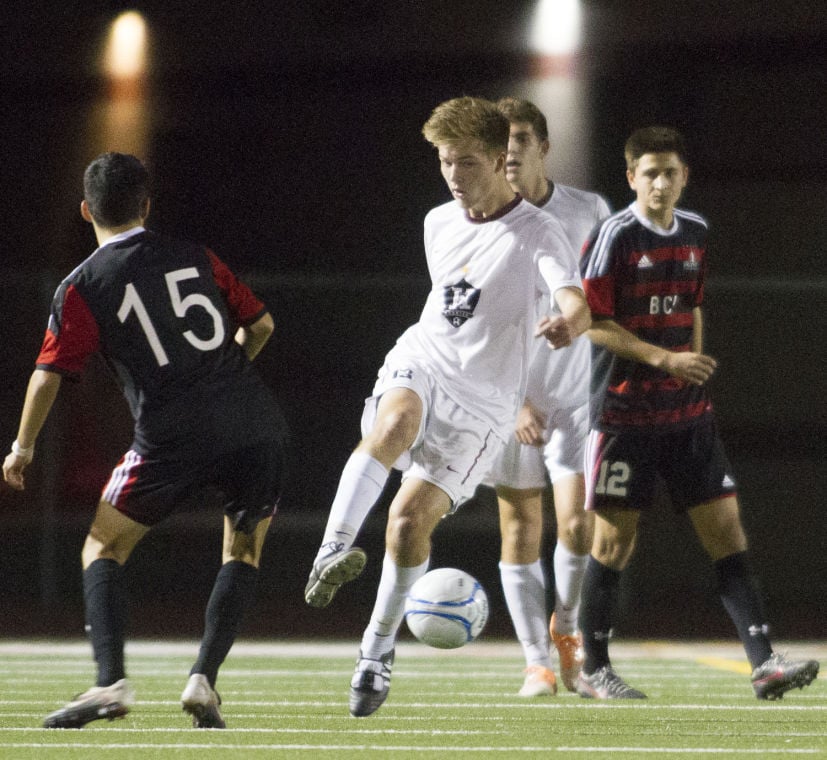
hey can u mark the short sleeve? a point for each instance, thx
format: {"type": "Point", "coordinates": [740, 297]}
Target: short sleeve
{"type": "Point", "coordinates": [244, 306]}
{"type": "Point", "coordinates": [72, 335]}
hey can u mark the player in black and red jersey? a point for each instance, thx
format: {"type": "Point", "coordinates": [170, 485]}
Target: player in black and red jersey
{"type": "Point", "coordinates": [179, 331]}
{"type": "Point", "coordinates": [651, 416]}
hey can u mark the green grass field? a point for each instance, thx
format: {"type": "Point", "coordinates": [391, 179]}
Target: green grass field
{"type": "Point", "coordinates": [289, 700]}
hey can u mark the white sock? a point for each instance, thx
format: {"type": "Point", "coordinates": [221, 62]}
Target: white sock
{"type": "Point", "coordinates": [524, 587]}
{"type": "Point", "coordinates": [360, 486]}
{"type": "Point", "coordinates": [396, 581]}
{"type": "Point", "coordinates": [569, 570]}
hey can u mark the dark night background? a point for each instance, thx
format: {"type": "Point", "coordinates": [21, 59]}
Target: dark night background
{"type": "Point", "coordinates": [287, 137]}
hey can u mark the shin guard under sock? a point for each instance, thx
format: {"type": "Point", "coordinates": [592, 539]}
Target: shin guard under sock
{"type": "Point", "coordinates": [598, 603]}
{"type": "Point", "coordinates": [104, 600]}
{"type": "Point", "coordinates": [232, 594]}
{"type": "Point", "coordinates": [741, 600]}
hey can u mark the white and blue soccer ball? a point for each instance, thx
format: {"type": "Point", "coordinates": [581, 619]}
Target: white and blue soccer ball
{"type": "Point", "coordinates": [446, 608]}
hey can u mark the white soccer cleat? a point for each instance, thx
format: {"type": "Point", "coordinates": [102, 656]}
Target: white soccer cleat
{"type": "Point", "coordinates": [99, 702]}
{"type": "Point", "coordinates": [331, 572]}
{"type": "Point", "coordinates": [201, 701]}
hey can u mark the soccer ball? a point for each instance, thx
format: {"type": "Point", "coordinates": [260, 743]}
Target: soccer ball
{"type": "Point", "coordinates": [446, 608]}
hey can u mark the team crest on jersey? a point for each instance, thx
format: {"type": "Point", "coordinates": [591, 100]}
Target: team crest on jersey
{"type": "Point", "coordinates": [691, 264]}
{"type": "Point", "coordinates": [460, 301]}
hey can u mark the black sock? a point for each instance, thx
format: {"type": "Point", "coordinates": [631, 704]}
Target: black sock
{"type": "Point", "coordinates": [742, 602]}
{"type": "Point", "coordinates": [105, 602]}
{"type": "Point", "coordinates": [232, 593]}
{"type": "Point", "coordinates": [599, 600]}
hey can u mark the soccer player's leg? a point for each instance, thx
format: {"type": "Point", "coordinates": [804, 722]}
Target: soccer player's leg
{"type": "Point", "coordinates": [111, 539]}
{"type": "Point", "coordinates": [523, 583]}
{"type": "Point", "coordinates": [719, 528]}
{"type": "Point", "coordinates": [575, 528]}
{"type": "Point", "coordinates": [414, 514]}
{"type": "Point", "coordinates": [395, 423]}
{"type": "Point", "coordinates": [457, 451]}
{"type": "Point", "coordinates": [251, 479]}
{"type": "Point", "coordinates": [563, 456]}
{"type": "Point", "coordinates": [614, 539]}
{"type": "Point", "coordinates": [232, 595]}
{"type": "Point", "coordinates": [702, 485]}
{"type": "Point", "coordinates": [619, 479]}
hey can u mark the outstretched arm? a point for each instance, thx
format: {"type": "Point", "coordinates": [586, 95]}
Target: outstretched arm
{"type": "Point", "coordinates": [574, 318]}
{"type": "Point", "coordinates": [40, 396]}
{"type": "Point", "coordinates": [253, 337]}
{"type": "Point", "coordinates": [692, 366]}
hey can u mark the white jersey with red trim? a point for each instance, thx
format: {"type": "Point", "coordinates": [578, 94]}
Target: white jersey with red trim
{"type": "Point", "coordinates": [475, 332]}
{"type": "Point", "coordinates": [560, 379]}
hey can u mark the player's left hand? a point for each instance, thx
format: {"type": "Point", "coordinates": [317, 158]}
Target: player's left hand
{"type": "Point", "coordinates": [13, 468]}
{"type": "Point", "coordinates": [530, 426]}
{"type": "Point", "coordinates": [556, 330]}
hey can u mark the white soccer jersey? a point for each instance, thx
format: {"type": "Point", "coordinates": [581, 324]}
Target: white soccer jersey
{"type": "Point", "coordinates": [559, 379]}
{"type": "Point", "coordinates": [475, 332]}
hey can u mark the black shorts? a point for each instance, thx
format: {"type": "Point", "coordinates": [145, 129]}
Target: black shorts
{"type": "Point", "coordinates": [625, 470]}
{"type": "Point", "coordinates": [248, 479]}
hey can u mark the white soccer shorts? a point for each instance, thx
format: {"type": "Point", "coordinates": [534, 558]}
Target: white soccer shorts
{"type": "Point", "coordinates": [453, 448]}
{"type": "Point", "coordinates": [524, 467]}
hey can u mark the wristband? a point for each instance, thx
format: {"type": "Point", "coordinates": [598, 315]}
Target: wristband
{"type": "Point", "coordinates": [18, 450]}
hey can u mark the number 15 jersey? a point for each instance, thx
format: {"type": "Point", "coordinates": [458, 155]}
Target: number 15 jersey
{"type": "Point", "coordinates": [163, 314]}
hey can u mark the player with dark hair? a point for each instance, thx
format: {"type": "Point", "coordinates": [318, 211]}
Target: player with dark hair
{"type": "Point", "coordinates": [548, 441]}
{"type": "Point", "coordinates": [179, 332]}
{"type": "Point", "coordinates": [651, 415]}
{"type": "Point", "coordinates": [447, 396]}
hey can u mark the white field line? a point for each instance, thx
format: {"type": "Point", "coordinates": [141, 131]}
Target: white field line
{"type": "Point", "coordinates": [114, 730]}
{"type": "Point", "coordinates": [479, 650]}
{"type": "Point", "coordinates": [409, 749]}
{"type": "Point", "coordinates": [549, 705]}
{"type": "Point", "coordinates": [410, 671]}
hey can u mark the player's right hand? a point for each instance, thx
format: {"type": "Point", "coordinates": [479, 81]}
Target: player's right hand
{"type": "Point", "coordinates": [689, 366]}
{"type": "Point", "coordinates": [13, 468]}
{"type": "Point", "coordinates": [556, 330]}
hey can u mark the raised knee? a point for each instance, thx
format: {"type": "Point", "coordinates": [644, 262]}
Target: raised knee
{"type": "Point", "coordinates": [396, 428]}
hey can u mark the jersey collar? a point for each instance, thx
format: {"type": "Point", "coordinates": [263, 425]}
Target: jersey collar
{"type": "Point", "coordinates": [123, 236]}
{"type": "Point", "coordinates": [499, 214]}
{"type": "Point", "coordinates": [650, 225]}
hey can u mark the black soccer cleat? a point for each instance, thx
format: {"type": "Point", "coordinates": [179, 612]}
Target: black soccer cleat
{"type": "Point", "coordinates": [606, 684]}
{"type": "Point", "coordinates": [370, 684]}
{"type": "Point", "coordinates": [777, 675]}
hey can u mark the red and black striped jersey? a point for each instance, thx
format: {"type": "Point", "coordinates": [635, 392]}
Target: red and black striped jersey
{"type": "Point", "coordinates": [163, 315]}
{"type": "Point", "coordinates": [649, 281]}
